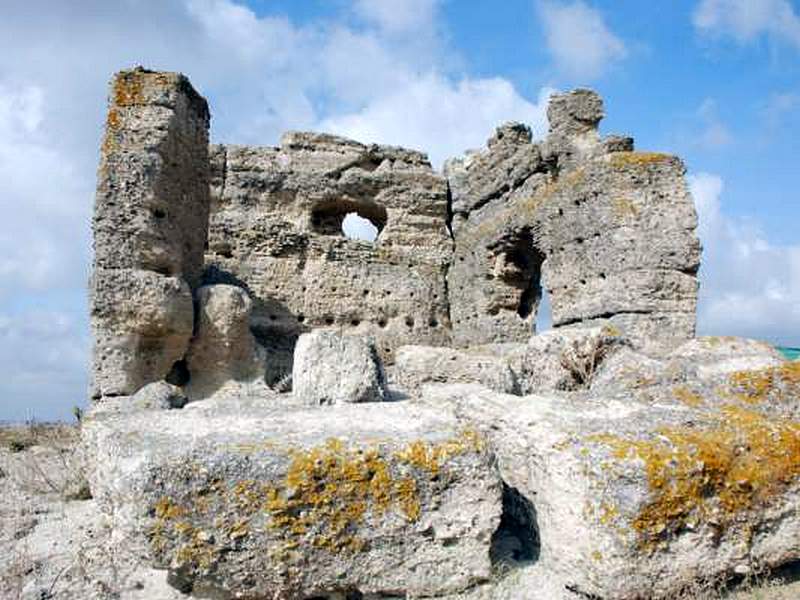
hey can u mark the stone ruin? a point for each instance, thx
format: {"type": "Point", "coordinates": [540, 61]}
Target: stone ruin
{"type": "Point", "coordinates": [380, 419]}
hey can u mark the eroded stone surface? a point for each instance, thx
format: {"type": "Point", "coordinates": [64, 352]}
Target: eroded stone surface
{"type": "Point", "coordinates": [642, 492]}
{"type": "Point", "coordinates": [276, 228]}
{"type": "Point", "coordinates": [150, 226]}
{"type": "Point", "coordinates": [380, 499]}
{"type": "Point", "coordinates": [223, 348]}
{"type": "Point", "coordinates": [332, 368]}
{"type": "Point", "coordinates": [609, 234]}
{"type": "Point", "coordinates": [416, 366]}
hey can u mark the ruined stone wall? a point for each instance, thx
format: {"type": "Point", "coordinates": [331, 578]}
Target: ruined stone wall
{"type": "Point", "coordinates": [459, 260]}
{"type": "Point", "coordinates": [608, 232]}
{"type": "Point", "coordinates": [150, 226]}
{"type": "Point", "coordinates": [276, 229]}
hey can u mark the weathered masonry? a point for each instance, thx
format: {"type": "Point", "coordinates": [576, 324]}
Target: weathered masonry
{"type": "Point", "coordinates": [460, 259]}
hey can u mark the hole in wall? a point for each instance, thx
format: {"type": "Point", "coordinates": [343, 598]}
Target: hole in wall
{"type": "Point", "coordinates": [355, 227]}
{"type": "Point", "coordinates": [544, 314]}
{"type": "Point", "coordinates": [362, 220]}
{"type": "Point", "coordinates": [516, 540]}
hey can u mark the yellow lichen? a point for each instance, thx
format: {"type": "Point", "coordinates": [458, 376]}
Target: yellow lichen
{"type": "Point", "coordinates": [625, 208]}
{"type": "Point", "coordinates": [165, 509]}
{"type": "Point", "coordinates": [127, 88]}
{"type": "Point", "coordinates": [637, 159]}
{"type": "Point", "coordinates": [758, 385]}
{"type": "Point", "coordinates": [736, 463]}
{"type": "Point", "coordinates": [687, 396]}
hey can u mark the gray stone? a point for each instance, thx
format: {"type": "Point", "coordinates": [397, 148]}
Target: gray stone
{"type": "Point", "coordinates": [276, 229]}
{"type": "Point", "coordinates": [223, 348]}
{"type": "Point", "coordinates": [150, 227]}
{"type": "Point", "coordinates": [391, 499]}
{"type": "Point", "coordinates": [417, 365]}
{"type": "Point", "coordinates": [609, 235]}
{"type": "Point", "coordinates": [142, 323]}
{"type": "Point", "coordinates": [158, 395]}
{"type": "Point", "coordinates": [641, 496]}
{"type": "Point", "coordinates": [332, 368]}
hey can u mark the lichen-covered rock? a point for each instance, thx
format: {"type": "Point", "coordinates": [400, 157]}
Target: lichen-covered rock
{"type": "Point", "coordinates": [640, 495]}
{"type": "Point", "coordinates": [150, 227]}
{"type": "Point", "coordinates": [418, 365]}
{"type": "Point", "coordinates": [223, 348]}
{"type": "Point", "coordinates": [379, 500]}
{"type": "Point", "coordinates": [609, 234]}
{"type": "Point", "coordinates": [332, 368]}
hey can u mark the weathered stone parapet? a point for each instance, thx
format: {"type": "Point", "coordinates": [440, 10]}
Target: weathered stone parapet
{"type": "Point", "coordinates": [276, 229]}
{"type": "Point", "coordinates": [608, 232]}
{"type": "Point", "coordinates": [150, 226]}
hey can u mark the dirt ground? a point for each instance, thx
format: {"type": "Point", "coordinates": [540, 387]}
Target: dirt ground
{"type": "Point", "coordinates": [56, 544]}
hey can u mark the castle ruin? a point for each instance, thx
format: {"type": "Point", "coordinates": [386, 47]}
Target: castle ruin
{"type": "Point", "coordinates": [282, 412]}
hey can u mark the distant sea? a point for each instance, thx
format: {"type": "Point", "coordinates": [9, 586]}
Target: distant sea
{"type": "Point", "coordinates": [790, 353]}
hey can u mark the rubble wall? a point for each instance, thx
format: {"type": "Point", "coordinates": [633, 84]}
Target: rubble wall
{"type": "Point", "coordinates": [276, 229]}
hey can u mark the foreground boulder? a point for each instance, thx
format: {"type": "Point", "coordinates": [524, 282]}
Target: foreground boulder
{"type": "Point", "coordinates": [331, 368]}
{"type": "Point", "coordinates": [642, 494]}
{"type": "Point", "coordinates": [242, 501]}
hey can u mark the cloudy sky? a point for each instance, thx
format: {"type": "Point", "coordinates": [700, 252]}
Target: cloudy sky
{"type": "Point", "coordinates": [716, 81]}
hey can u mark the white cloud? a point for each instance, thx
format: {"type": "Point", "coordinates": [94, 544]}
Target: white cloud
{"type": "Point", "coordinates": [440, 116]}
{"type": "Point", "coordinates": [713, 134]}
{"type": "Point", "coordinates": [399, 16]}
{"type": "Point", "coordinates": [578, 39]}
{"type": "Point", "coordinates": [746, 20]}
{"type": "Point", "coordinates": [749, 286]}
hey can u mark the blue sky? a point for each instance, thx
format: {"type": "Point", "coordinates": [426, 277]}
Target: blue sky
{"type": "Point", "coordinates": [715, 81]}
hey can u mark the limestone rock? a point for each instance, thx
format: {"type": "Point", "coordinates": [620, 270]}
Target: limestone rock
{"type": "Point", "coordinates": [158, 395]}
{"type": "Point", "coordinates": [276, 229]}
{"type": "Point", "coordinates": [642, 498]}
{"type": "Point", "coordinates": [381, 500]}
{"type": "Point", "coordinates": [418, 365]}
{"type": "Point", "coordinates": [142, 323]}
{"type": "Point", "coordinates": [150, 227]}
{"type": "Point", "coordinates": [223, 348]}
{"type": "Point", "coordinates": [564, 359]}
{"type": "Point", "coordinates": [609, 234]}
{"type": "Point", "coordinates": [331, 368]}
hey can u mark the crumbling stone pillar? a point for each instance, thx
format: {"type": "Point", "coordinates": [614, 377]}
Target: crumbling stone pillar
{"type": "Point", "coordinates": [150, 229]}
{"type": "Point", "coordinates": [608, 232]}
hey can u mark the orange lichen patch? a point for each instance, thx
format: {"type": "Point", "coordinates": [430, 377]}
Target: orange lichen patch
{"type": "Point", "coordinates": [429, 457]}
{"type": "Point", "coordinates": [737, 463]}
{"type": "Point", "coordinates": [637, 159]}
{"type": "Point", "coordinates": [756, 386]}
{"type": "Point", "coordinates": [625, 208]}
{"type": "Point", "coordinates": [127, 88]}
{"type": "Point", "coordinates": [113, 119]}
{"type": "Point", "coordinates": [687, 396]}
{"type": "Point", "coordinates": [166, 510]}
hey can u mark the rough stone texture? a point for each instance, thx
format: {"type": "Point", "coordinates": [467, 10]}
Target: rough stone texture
{"type": "Point", "coordinates": [142, 323]}
{"type": "Point", "coordinates": [223, 348]}
{"type": "Point", "coordinates": [388, 499]}
{"type": "Point", "coordinates": [150, 227]}
{"type": "Point", "coordinates": [158, 395]}
{"type": "Point", "coordinates": [276, 229]}
{"type": "Point", "coordinates": [609, 234]}
{"type": "Point", "coordinates": [563, 359]}
{"type": "Point", "coordinates": [640, 494]}
{"type": "Point", "coordinates": [418, 365]}
{"type": "Point", "coordinates": [332, 368]}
